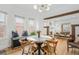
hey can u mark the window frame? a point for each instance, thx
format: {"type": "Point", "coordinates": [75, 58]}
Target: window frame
{"type": "Point", "coordinates": [22, 20]}
{"type": "Point", "coordinates": [5, 23]}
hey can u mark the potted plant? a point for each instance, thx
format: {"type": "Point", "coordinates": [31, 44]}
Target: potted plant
{"type": "Point", "coordinates": [33, 33]}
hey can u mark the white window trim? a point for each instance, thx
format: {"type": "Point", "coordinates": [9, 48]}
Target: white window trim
{"type": "Point", "coordinates": [22, 18]}
{"type": "Point", "coordinates": [5, 23]}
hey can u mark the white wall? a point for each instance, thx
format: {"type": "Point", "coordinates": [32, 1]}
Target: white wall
{"type": "Point", "coordinates": [10, 25]}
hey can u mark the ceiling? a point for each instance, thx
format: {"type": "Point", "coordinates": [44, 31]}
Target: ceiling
{"type": "Point", "coordinates": [28, 10]}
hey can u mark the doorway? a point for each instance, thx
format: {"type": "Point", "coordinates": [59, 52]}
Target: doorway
{"type": "Point", "coordinates": [75, 32]}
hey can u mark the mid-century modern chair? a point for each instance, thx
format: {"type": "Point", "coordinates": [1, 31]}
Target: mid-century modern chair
{"type": "Point", "coordinates": [29, 48]}
{"type": "Point", "coordinates": [49, 47]}
{"type": "Point", "coordinates": [45, 49]}
{"type": "Point", "coordinates": [15, 39]}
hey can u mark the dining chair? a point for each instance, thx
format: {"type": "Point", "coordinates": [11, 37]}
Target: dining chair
{"type": "Point", "coordinates": [24, 44]}
{"type": "Point", "coordinates": [33, 48]}
{"type": "Point", "coordinates": [49, 47]}
{"type": "Point", "coordinates": [45, 49]}
{"type": "Point", "coordinates": [52, 46]}
{"type": "Point", "coordinates": [30, 48]}
{"type": "Point", "coordinates": [15, 40]}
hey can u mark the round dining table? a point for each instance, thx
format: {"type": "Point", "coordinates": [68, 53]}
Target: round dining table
{"type": "Point", "coordinates": [39, 41]}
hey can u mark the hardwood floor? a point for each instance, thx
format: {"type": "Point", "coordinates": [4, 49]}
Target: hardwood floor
{"type": "Point", "coordinates": [13, 51]}
{"type": "Point", "coordinates": [61, 44]}
{"type": "Point", "coordinates": [19, 52]}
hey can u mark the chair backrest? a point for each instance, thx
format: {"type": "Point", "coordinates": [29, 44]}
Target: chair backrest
{"type": "Point", "coordinates": [51, 49]}
{"type": "Point", "coordinates": [30, 48]}
{"type": "Point", "coordinates": [62, 47]}
{"type": "Point", "coordinates": [14, 34]}
{"type": "Point", "coordinates": [25, 33]}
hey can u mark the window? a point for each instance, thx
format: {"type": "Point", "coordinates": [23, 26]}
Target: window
{"type": "Point", "coordinates": [19, 24]}
{"type": "Point", "coordinates": [32, 25]}
{"type": "Point", "coordinates": [2, 24]}
{"type": "Point", "coordinates": [66, 27]}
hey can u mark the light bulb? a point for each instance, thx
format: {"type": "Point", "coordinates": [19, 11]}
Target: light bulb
{"type": "Point", "coordinates": [40, 10]}
{"type": "Point", "coordinates": [35, 7]}
{"type": "Point", "coordinates": [42, 7]}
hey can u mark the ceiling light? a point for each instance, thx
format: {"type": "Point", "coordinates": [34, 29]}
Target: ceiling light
{"type": "Point", "coordinates": [42, 7]}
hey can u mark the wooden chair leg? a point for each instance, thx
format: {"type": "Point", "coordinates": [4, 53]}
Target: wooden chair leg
{"type": "Point", "coordinates": [43, 52]}
{"type": "Point", "coordinates": [55, 53]}
{"type": "Point", "coordinates": [23, 52]}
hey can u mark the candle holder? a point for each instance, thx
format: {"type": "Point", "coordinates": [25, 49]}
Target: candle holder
{"type": "Point", "coordinates": [38, 32]}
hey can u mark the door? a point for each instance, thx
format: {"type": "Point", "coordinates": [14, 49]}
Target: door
{"type": "Point", "coordinates": [77, 33]}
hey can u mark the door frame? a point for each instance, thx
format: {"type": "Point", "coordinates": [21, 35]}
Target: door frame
{"type": "Point", "coordinates": [73, 31]}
